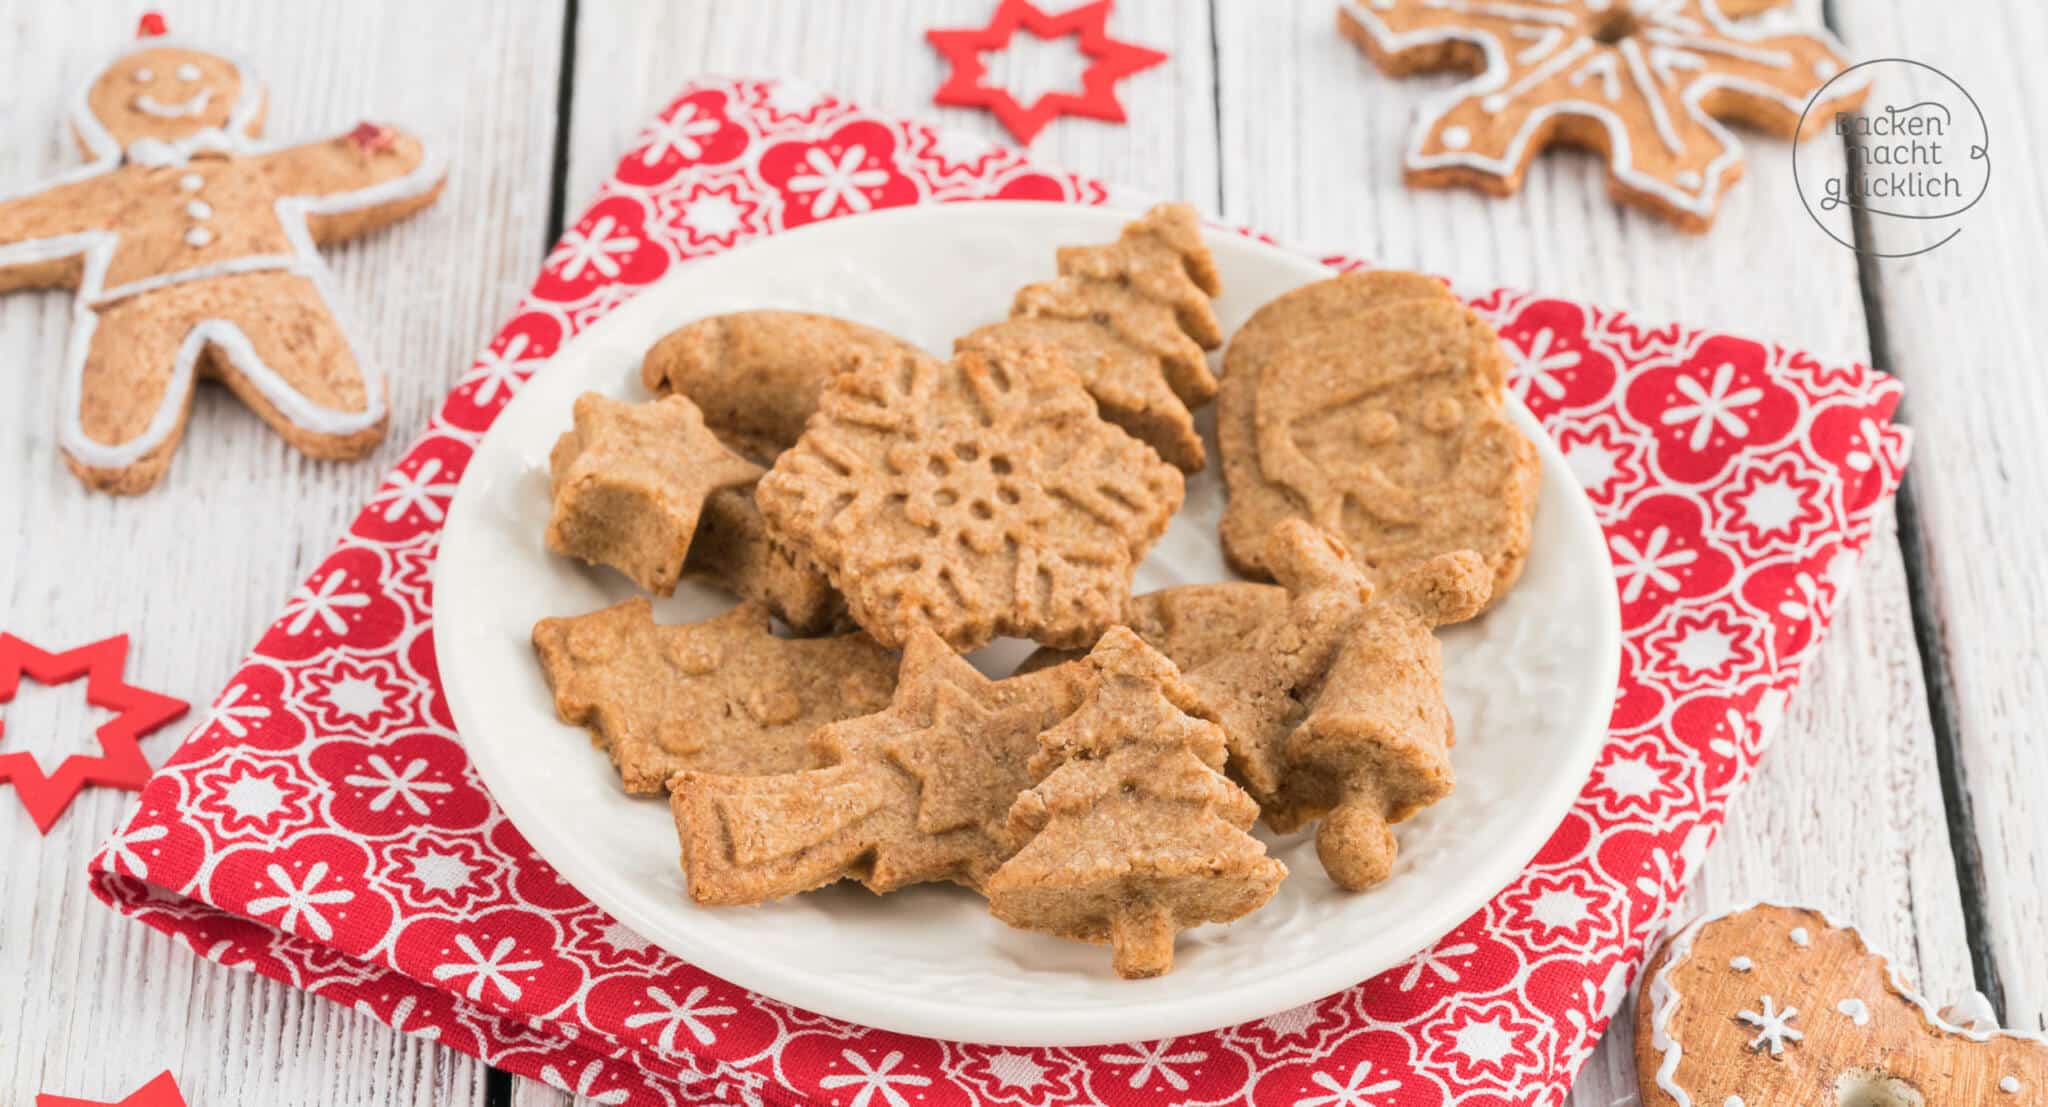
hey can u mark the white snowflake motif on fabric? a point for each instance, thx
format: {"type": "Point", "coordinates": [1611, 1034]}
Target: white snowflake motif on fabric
{"type": "Point", "coordinates": [1631, 777]}
{"type": "Point", "coordinates": [1538, 366]}
{"type": "Point", "coordinates": [679, 133]}
{"type": "Point", "coordinates": [1774, 1027]}
{"type": "Point", "coordinates": [688, 1015]}
{"type": "Point", "coordinates": [1351, 1093]}
{"type": "Point", "coordinates": [1702, 648]}
{"type": "Point", "coordinates": [597, 248]}
{"type": "Point", "coordinates": [1649, 74]}
{"type": "Point", "coordinates": [322, 601]}
{"type": "Point", "coordinates": [1772, 505]}
{"type": "Point", "coordinates": [1559, 909]}
{"type": "Point", "coordinates": [356, 697]}
{"type": "Point", "coordinates": [232, 714]}
{"type": "Point", "coordinates": [121, 852]}
{"type": "Point", "coordinates": [1015, 1070]}
{"type": "Point", "coordinates": [439, 871]}
{"type": "Point", "coordinates": [1711, 407]}
{"type": "Point", "coordinates": [394, 785]}
{"type": "Point", "coordinates": [585, 1085]}
{"type": "Point", "coordinates": [301, 900]}
{"type": "Point", "coordinates": [1435, 961]}
{"type": "Point", "coordinates": [877, 1083]}
{"type": "Point", "coordinates": [1156, 1059]}
{"type": "Point", "coordinates": [836, 180]}
{"type": "Point", "coordinates": [254, 797]}
{"type": "Point", "coordinates": [1593, 463]}
{"type": "Point", "coordinates": [490, 970]}
{"type": "Point", "coordinates": [1640, 567]}
{"type": "Point", "coordinates": [404, 493]}
{"type": "Point", "coordinates": [1484, 1042]}
{"type": "Point", "coordinates": [502, 370]}
{"type": "Point", "coordinates": [713, 216]}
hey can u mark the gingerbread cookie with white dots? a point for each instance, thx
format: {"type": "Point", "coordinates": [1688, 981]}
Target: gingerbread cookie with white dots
{"type": "Point", "coordinates": [1780, 1007]}
{"type": "Point", "coordinates": [191, 246]}
{"type": "Point", "coordinates": [1647, 83]}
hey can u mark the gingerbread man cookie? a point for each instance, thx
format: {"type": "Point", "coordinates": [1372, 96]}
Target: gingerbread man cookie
{"type": "Point", "coordinates": [1372, 405]}
{"type": "Point", "coordinates": [1780, 1007]}
{"type": "Point", "coordinates": [192, 250]}
{"type": "Point", "coordinates": [1647, 83]}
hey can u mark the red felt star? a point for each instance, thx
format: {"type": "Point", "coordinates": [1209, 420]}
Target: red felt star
{"type": "Point", "coordinates": [160, 1092]}
{"type": "Point", "coordinates": [120, 763]}
{"type": "Point", "coordinates": [1113, 60]}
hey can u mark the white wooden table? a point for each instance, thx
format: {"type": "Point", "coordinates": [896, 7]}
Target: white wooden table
{"type": "Point", "coordinates": [1900, 789]}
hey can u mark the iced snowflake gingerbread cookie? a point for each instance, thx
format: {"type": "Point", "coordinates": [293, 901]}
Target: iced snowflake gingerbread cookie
{"type": "Point", "coordinates": [192, 249]}
{"type": "Point", "coordinates": [1779, 1007]}
{"type": "Point", "coordinates": [1648, 83]}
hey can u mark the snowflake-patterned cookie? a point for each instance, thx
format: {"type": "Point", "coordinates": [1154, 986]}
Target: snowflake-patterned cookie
{"type": "Point", "coordinates": [1648, 83]}
{"type": "Point", "coordinates": [1779, 1007]}
{"type": "Point", "coordinates": [976, 497]}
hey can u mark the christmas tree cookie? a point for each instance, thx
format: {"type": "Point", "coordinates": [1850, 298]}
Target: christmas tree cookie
{"type": "Point", "coordinates": [1132, 832]}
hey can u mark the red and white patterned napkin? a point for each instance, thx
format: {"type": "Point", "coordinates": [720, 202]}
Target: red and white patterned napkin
{"type": "Point", "coordinates": [323, 826]}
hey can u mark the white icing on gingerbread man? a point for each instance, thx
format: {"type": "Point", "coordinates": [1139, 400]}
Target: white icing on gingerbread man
{"type": "Point", "coordinates": [192, 249]}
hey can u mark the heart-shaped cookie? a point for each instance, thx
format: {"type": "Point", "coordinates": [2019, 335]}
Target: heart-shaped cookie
{"type": "Point", "coordinates": [1781, 1007]}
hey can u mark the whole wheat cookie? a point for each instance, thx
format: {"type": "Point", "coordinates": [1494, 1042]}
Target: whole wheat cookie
{"type": "Point", "coordinates": [723, 696]}
{"type": "Point", "coordinates": [192, 250]}
{"type": "Point", "coordinates": [914, 793]}
{"type": "Point", "coordinates": [1780, 1007]}
{"type": "Point", "coordinates": [733, 549]}
{"type": "Point", "coordinates": [1371, 405]}
{"type": "Point", "coordinates": [1132, 832]}
{"type": "Point", "coordinates": [1334, 709]}
{"type": "Point", "coordinates": [1189, 623]}
{"type": "Point", "coordinates": [1133, 319]}
{"type": "Point", "coordinates": [630, 481]}
{"type": "Point", "coordinates": [976, 497]}
{"type": "Point", "coordinates": [1647, 83]}
{"type": "Point", "coordinates": [757, 375]}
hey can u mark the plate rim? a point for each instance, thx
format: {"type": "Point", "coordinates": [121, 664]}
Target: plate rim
{"type": "Point", "coordinates": [1108, 1024]}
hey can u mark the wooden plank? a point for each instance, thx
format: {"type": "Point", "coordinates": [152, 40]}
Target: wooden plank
{"type": "Point", "coordinates": [1957, 325]}
{"type": "Point", "coordinates": [90, 1003]}
{"type": "Point", "coordinates": [1326, 131]}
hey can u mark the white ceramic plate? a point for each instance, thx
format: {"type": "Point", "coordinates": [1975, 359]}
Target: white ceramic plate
{"type": "Point", "coordinates": [1530, 687]}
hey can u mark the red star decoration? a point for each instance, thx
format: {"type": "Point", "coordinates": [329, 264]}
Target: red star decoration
{"type": "Point", "coordinates": [1112, 60]}
{"type": "Point", "coordinates": [160, 1092]}
{"type": "Point", "coordinates": [120, 763]}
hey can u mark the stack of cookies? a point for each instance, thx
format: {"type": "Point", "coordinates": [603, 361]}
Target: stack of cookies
{"type": "Point", "coordinates": [895, 509]}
